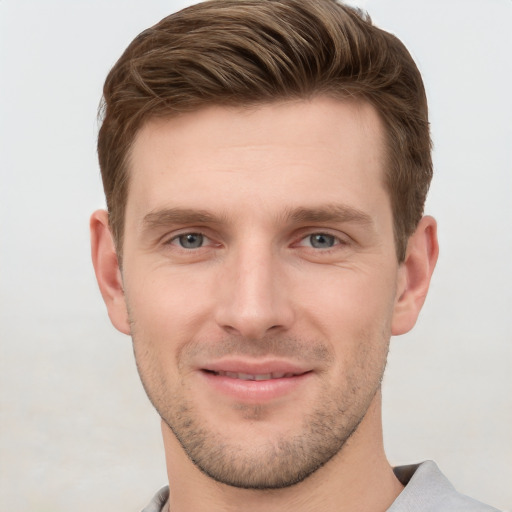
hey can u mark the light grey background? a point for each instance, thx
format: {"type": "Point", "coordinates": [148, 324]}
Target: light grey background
{"type": "Point", "coordinates": [77, 432]}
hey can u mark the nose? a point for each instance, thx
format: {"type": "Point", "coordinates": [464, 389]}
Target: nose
{"type": "Point", "coordinates": [253, 296]}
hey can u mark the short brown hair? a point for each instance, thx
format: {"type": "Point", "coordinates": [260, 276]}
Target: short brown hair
{"type": "Point", "coordinates": [241, 52]}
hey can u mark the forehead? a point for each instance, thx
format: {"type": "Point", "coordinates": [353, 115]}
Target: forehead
{"type": "Point", "coordinates": [285, 154]}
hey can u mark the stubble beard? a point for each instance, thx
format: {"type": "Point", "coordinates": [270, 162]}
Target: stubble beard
{"type": "Point", "coordinates": [276, 463]}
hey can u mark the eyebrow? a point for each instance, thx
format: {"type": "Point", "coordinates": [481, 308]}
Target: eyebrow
{"type": "Point", "coordinates": [169, 216]}
{"type": "Point", "coordinates": [325, 213]}
{"type": "Point", "coordinates": [329, 213]}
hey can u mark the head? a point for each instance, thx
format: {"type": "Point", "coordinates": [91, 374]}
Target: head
{"type": "Point", "coordinates": [265, 165]}
{"type": "Point", "coordinates": [245, 53]}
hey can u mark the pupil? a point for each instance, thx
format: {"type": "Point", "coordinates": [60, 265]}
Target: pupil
{"type": "Point", "coordinates": [191, 240]}
{"type": "Point", "coordinates": [322, 241]}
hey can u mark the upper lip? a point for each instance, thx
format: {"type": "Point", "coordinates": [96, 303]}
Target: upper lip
{"type": "Point", "coordinates": [256, 367]}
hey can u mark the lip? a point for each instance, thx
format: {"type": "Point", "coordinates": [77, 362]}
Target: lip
{"type": "Point", "coordinates": [255, 366]}
{"type": "Point", "coordinates": [254, 386]}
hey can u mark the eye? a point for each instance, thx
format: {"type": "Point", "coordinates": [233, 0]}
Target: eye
{"type": "Point", "coordinates": [321, 241]}
{"type": "Point", "coordinates": [189, 240]}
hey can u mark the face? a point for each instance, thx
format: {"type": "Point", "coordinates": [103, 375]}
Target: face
{"type": "Point", "coordinates": [260, 277]}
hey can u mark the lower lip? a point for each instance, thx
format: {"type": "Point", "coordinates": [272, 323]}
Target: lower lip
{"type": "Point", "coordinates": [255, 391]}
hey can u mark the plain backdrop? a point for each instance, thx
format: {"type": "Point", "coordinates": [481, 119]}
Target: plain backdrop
{"type": "Point", "coordinates": [77, 432]}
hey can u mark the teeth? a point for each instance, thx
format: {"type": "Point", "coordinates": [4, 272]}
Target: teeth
{"type": "Point", "coordinates": [250, 376]}
{"type": "Point", "coordinates": [266, 376]}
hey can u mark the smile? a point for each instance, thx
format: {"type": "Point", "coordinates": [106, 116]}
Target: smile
{"type": "Point", "coordinates": [255, 385]}
{"type": "Point", "coordinates": [258, 376]}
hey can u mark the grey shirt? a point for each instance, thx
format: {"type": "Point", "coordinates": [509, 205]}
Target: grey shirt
{"type": "Point", "coordinates": [426, 490]}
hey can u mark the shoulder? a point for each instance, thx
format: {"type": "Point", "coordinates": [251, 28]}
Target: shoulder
{"type": "Point", "coordinates": [159, 501]}
{"type": "Point", "coordinates": [428, 490]}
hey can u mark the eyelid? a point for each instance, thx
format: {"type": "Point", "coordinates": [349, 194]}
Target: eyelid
{"type": "Point", "coordinates": [176, 236]}
{"type": "Point", "coordinates": [340, 238]}
{"type": "Point", "coordinates": [171, 239]}
{"type": "Point", "coordinates": [300, 238]}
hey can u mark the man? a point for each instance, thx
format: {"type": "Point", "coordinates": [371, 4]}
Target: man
{"type": "Point", "coordinates": [265, 165]}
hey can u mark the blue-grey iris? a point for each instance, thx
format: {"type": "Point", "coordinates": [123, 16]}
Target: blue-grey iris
{"type": "Point", "coordinates": [322, 241]}
{"type": "Point", "coordinates": [191, 240]}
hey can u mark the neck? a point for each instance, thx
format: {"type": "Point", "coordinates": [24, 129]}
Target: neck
{"type": "Point", "coordinates": [358, 478]}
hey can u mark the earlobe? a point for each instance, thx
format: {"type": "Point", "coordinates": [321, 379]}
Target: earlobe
{"type": "Point", "coordinates": [108, 273]}
{"type": "Point", "coordinates": [415, 274]}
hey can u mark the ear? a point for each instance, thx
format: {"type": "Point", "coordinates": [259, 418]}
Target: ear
{"type": "Point", "coordinates": [414, 275]}
{"type": "Point", "coordinates": [108, 273]}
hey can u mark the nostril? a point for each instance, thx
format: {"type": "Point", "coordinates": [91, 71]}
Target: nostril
{"type": "Point", "coordinates": [230, 329]}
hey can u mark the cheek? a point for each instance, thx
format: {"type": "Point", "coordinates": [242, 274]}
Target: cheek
{"type": "Point", "coordinates": [348, 301]}
{"type": "Point", "coordinates": [166, 308]}
{"type": "Point", "coordinates": [163, 318]}
{"type": "Point", "coordinates": [357, 324]}
{"type": "Point", "coordinates": [353, 314]}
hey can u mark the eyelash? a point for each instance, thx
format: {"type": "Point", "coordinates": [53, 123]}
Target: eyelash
{"type": "Point", "coordinates": [177, 238]}
{"type": "Point", "coordinates": [336, 241]}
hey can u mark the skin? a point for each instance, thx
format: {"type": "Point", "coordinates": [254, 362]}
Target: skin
{"type": "Point", "coordinates": [261, 240]}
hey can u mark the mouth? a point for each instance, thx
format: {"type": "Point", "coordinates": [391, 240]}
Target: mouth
{"type": "Point", "coordinates": [255, 376]}
{"type": "Point", "coordinates": [255, 383]}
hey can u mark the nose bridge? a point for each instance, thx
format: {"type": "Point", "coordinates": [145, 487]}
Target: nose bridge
{"type": "Point", "coordinates": [253, 299]}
